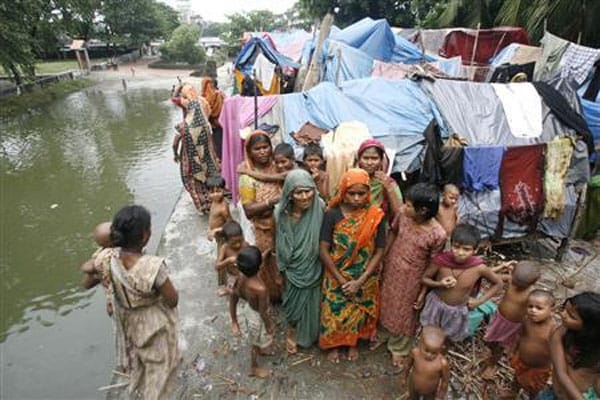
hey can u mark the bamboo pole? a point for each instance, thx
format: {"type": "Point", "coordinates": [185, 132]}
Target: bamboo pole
{"type": "Point", "coordinates": [312, 75]}
{"type": "Point", "coordinates": [475, 44]}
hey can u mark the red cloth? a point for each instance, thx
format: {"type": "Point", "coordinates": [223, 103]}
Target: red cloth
{"type": "Point", "coordinates": [446, 259]}
{"type": "Point", "coordinates": [521, 175]}
{"type": "Point", "coordinates": [489, 43]}
{"type": "Point", "coordinates": [533, 380]}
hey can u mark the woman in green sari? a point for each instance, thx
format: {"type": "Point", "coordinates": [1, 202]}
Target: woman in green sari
{"type": "Point", "coordinates": [385, 192]}
{"type": "Point", "coordinates": [298, 216]}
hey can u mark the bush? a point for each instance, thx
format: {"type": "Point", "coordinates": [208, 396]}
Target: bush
{"type": "Point", "coordinates": [183, 46]}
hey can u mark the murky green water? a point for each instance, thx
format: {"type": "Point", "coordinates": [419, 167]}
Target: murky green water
{"type": "Point", "coordinates": [62, 170]}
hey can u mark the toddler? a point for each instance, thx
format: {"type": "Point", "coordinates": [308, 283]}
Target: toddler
{"type": "Point", "coordinates": [447, 214]}
{"type": "Point", "coordinates": [219, 207]}
{"type": "Point", "coordinates": [531, 358]}
{"type": "Point", "coordinates": [255, 309]}
{"type": "Point", "coordinates": [453, 275]}
{"type": "Point", "coordinates": [506, 323]}
{"type": "Point", "coordinates": [429, 370]}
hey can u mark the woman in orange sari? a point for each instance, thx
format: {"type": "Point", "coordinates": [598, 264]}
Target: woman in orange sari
{"type": "Point", "coordinates": [258, 200]}
{"type": "Point", "coordinates": [351, 248]}
{"type": "Point", "coordinates": [215, 99]}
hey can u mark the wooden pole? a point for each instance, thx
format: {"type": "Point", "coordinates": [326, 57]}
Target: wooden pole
{"type": "Point", "coordinates": [312, 75]}
{"type": "Point", "coordinates": [475, 44]}
{"type": "Point", "coordinates": [255, 99]}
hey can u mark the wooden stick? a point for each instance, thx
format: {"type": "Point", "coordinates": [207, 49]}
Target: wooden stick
{"type": "Point", "coordinates": [455, 354]}
{"type": "Point", "coordinates": [301, 361]}
{"type": "Point", "coordinates": [120, 373]}
{"type": "Point", "coordinates": [226, 379]}
{"type": "Point", "coordinates": [115, 386]}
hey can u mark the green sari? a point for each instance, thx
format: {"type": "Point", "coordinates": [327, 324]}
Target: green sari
{"type": "Point", "coordinates": [298, 259]}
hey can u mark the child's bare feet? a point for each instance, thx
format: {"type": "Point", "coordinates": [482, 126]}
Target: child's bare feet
{"type": "Point", "coordinates": [260, 372]}
{"type": "Point", "coordinates": [235, 329]}
{"type": "Point", "coordinates": [223, 291]}
{"type": "Point", "coordinates": [489, 372]}
{"type": "Point", "coordinates": [267, 351]}
{"type": "Point", "coordinates": [397, 360]}
{"type": "Point", "coordinates": [353, 353]}
{"type": "Point", "coordinates": [334, 356]}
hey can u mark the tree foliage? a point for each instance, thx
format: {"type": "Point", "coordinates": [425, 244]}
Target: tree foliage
{"type": "Point", "coordinates": [397, 12]}
{"type": "Point", "coordinates": [183, 46]}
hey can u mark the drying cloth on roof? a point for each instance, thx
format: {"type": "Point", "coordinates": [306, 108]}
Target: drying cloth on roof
{"type": "Point", "coordinates": [521, 176]}
{"type": "Point", "coordinates": [564, 112]}
{"type": "Point", "coordinates": [265, 70]}
{"type": "Point", "coordinates": [481, 167]}
{"type": "Point", "coordinates": [309, 134]}
{"type": "Point", "coordinates": [389, 70]}
{"type": "Point", "coordinates": [506, 72]}
{"type": "Point", "coordinates": [558, 158]}
{"type": "Point", "coordinates": [522, 107]}
{"type": "Point", "coordinates": [489, 43]}
{"type": "Point", "coordinates": [341, 147]}
{"type": "Point", "coordinates": [577, 62]}
{"type": "Point", "coordinates": [553, 48]}
{"type": "Point", "coordinates": [451, 164]}
{"type": "Point", "coordinates": [516, 53]}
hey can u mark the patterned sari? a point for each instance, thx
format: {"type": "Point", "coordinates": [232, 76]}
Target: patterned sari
{"type": "Point", "coordinates": [345, 320]}
{"type": "Point", "coordinates": [253, 190]}
{"type": "Point", "coordinates": [198, 157]}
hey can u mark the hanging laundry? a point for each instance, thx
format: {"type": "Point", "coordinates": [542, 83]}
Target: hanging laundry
{"type": "Point", "coordinates": [553, 49]}
{"type": "Point", "coordinates": [523, 108]}
{"type": "Point", "coordinates": [564, 112]}
{"type": "Point", "coordinates": [521, 176]}
{"type": "Point", "coordinates": [309, 133]}
{"type": "Point", "coordinates": [451, 163]}
{"type": "Point", "coordinates": [558, 159]}
{"type": "Point", "coordinates": [481, 167]}
{"type": "Point", "coordinates": [577, 62]}
{"type": "Point", "coordinates": [431, 171]}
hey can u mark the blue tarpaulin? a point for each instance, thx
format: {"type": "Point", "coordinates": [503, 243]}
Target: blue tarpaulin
{"type": "Point", "coordinates": [245, 59]}
{"type": "Point", "coordinates": [341, 62]}
{"type": "Point", "coordinates": [373, 37]}
{"type": "Point", "coordinates": [386, 107]}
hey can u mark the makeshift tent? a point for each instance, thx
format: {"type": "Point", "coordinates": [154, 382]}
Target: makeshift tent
{"type": "Point", "coordinates": [259, 54]}
{"type": "Point", "coordinates": [481, 46]}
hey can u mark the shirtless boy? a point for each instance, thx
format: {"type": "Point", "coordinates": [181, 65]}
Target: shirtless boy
{"type": "Point", "coordinates": [429, 376]}
{"type": "Point", "coordinates": [219, 207]}
{"type": "Point", "coordinates": [453, 275]}
{"type": "Point", "coordinates": [531, 359]}
{"type": "Point", "coordinates": [447, 214]}
{"type": "Point", "coordinates": [258, 321]}
{"type": "Point", "coordinates": [506, 323]}
{"type": "Point", "coordinates": [233, 243]}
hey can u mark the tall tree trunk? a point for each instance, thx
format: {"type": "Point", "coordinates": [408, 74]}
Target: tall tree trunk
{"type": "Point", "coordinates": [16, 74]}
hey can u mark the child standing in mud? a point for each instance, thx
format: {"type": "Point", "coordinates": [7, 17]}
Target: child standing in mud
{"type": "Point", "coordinates": [255, 308]}
{"type": "Point", "coordinates": [428, 367]}
{"type": "Point", "coordinates": [505, 325]}
{"type": "Point", "coordinates": [531, 358]}
{"type": "Point", "coordinates": [226, 259]}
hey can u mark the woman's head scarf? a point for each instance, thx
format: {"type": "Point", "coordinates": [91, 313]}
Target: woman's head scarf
{"type": "Point", "coordinates": [351, 177]}
{"type": "Point", "coordinates": [247, 149]}
{"type": "Point", "coordinates": [213, 96]}
{"type": "Point", "coordinates": [385, 161]}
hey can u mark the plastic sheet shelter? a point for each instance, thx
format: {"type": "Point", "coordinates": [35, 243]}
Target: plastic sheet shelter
{"type": "Point", "coordinates": [489, 43]}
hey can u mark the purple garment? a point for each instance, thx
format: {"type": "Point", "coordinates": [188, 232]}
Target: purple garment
{"type": "Point", "coordinates": [454, 320]}
{"type": "Point", "coordinates": [238, 113]}
{"type": "Point", "coordinates": [481, 167]}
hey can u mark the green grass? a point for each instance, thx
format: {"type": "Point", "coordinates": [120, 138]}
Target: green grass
{"type": "Point", "coordinates": [14, 105]}
{"type": "Point", "coordinates": [55, 67]}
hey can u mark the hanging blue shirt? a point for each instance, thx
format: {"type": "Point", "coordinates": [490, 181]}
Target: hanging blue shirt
{"type": "Point", "coordinates": [481, 167]}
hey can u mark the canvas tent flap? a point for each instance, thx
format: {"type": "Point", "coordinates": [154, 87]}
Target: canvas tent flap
{"type": "Point", "coordinates": [247, 55]}
{"type": "Point", "coordinates": [473, 110]}
{"type": "Point", "coordinates": [342, 62]}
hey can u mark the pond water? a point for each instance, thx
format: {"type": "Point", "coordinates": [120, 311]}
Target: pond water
{"type": "Point", "coordinates": [64, 169]}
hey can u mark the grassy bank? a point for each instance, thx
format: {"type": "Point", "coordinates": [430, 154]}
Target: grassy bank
{"type": "Point", "coordinates": [17, 104]}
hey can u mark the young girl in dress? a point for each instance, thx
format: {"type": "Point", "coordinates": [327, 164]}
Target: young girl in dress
{"type": "Point", "coordinates": [147, 302]}
{"type": "Point", "coordinates": [575, 350]}
{"type": "Point", "coordinates": [417, 235]}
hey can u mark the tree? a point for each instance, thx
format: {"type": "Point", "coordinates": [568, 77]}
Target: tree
{"type": "Point", "coordinates": [397, 12]}
{"type": "Point", "coordinates": [166, 18]}
{"type": "Point", "coordinates": [183, 46]}
{"type": "Point", "coordinates": [253, 21]}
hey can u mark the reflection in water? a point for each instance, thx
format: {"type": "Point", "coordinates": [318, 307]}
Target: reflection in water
{"type": "Point", "coordinates": [63, 170]}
